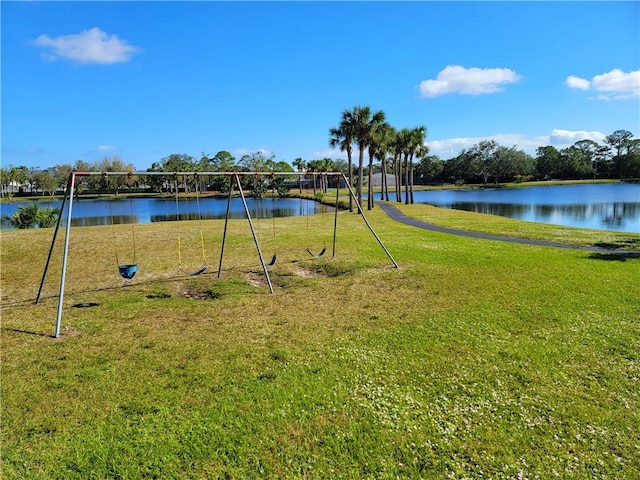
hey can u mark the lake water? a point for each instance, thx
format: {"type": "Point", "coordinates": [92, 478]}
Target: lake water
{"type": "Point", "coordinates": [87, 212]}
{"type": "Point", "coordinates": [599, 206]}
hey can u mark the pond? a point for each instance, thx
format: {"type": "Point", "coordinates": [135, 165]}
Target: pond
{"type": "Point", "coordinates": [598, 206]}
{"type": "Point", "coordinates": [89, 212]}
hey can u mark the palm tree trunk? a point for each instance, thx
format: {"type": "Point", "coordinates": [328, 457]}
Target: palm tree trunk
{"type": "Point", "coordinates": [397, 161]}
{"type": "Point", "coordinates": [406, 179]}
{"type": "Point", "coordinates": [370, 201]}
{"type": "Point", "coordinates": [384, 190]}
{"type": "Point", "coordinates": [411, 179]}
{"type": "Point", "coordinates": [360, 174]}
{"type": "Point", "coordinates": [350, 179]}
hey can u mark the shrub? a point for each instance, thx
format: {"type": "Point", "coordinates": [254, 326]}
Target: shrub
{"type": "Point", "coordinates": [31, 216]}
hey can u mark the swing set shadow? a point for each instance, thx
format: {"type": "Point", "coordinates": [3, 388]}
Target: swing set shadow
{"type": "Point", "coordinates": [128, 270]}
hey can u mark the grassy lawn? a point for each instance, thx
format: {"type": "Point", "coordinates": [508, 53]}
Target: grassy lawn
{"type": "Point", "coordinates": [475, 359]}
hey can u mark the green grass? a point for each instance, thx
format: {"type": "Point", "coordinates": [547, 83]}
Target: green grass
{"type": "Point", "coordinates": [474, 359]}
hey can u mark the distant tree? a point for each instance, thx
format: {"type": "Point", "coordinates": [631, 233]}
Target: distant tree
{"type": "Point", "coordinates": [547, 162]}
{"type": "Point", "coordinates": [115, 164]}
{"type": "Point", "coordinates": [278, 182]}
{"type": "Point", "coordinates": [626, 165]}
{"type": "Point", "coordinates": [61, 173]}
{"type": "Point", "coordinates": [620, 141]}
{"type": "Point", "coordinates": [343, 137]}
{"type": "Point", "coordinates": [300, 165]}
{"type": "Point", "coordinates": [20, 175]}
{"type": "Point", "coordinates": [4, 181]}
{"type": "Point", "coordinates": [522, 165]}
{"type": "Point", "coordinates": [222, 161]}
{"type": "Point", "coordinates": [486, 160]}
{"type": "Point", "coordinates": [429, 169]}
{"type": "Point", "coordinates": [574, 164]}
{"type": "Point", "coordinates": [625, 161]}
{"type": "Point", "coordinates": [46, 182]}
{"type": "Point", "coordinates": [590, 151]}
{"type": "Point", "coordinates": [83, 183]}
{"type": "Point", "coordinates": [255, 162]}
{"type": "Point", "coordinates": [181, 162]}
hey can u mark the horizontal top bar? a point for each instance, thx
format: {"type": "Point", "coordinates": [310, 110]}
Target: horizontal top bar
{"type": "Point", "coordinates": [230, 174]}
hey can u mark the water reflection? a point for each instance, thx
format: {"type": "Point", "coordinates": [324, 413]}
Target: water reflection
{"type": "Point", "coordinates": [92, 212]}
{"type": "Point", "coordinates": [608, 216]}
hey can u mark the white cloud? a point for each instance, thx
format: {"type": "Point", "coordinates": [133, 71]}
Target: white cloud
{"type": "Point", "coordinates": [567, 138]}
{"type": "Point", "coordinates": [577, 82]}
{"type": "Point", "coordinates": [616, 84]}
{"type": "Point", "coordinates": [468, 81]}
{"type": "Point", "coordinates": [331, 153]}
{"type": "Point", "coordinates": [89, 46]}
{"type": "Point", "coordinates": [106, 148]}
{"type": "Point", "coordinates": [451, 147]}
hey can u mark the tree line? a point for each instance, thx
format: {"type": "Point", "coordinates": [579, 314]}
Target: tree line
{"type": "Point", "coordinates": [618, 157]}
{"type": "Point", "coordinates": [401, 154]}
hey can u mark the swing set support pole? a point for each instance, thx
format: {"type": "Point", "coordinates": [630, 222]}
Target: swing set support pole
{"type": "Point", "coordinates": [335, 219]}
{"type": "Point", "coordinates": [353, 195]}
{"type": "Point", "coordinates": [53, 242]}
{"type": "Point", "coordinates": [253, 232]}
{"type": "Point", "coordinates": [226, 222]}
{"type": "Point", "coordinates": [65, 255]}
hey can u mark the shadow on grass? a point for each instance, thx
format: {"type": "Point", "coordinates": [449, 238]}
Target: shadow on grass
{"type": "Point", "coordinates": [85, 305]}
{"type": "Point", "coordinates": [615, 256]}
{"type": "Point", "coordinates": [619, 245]}
{"type": "Point", "coordinates": [27, 332]}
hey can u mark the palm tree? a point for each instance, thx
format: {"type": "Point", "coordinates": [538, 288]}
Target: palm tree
{"type": "Point", "coordinates": [378, 139]}
{"type": "Point", "coordinates": [396, 148]}
{"type": "Point", "coordinates": [361, 123]}
{"type": "Point", "coordinates": [402, 151]}
{"type": "Point", "coordinates": [342, 137]}
{"type": "Point", "coordinates": [386, 148]}
{"type": "Point", "coordinates": [300, 165]}
{"type": "Point", "coordinates": [417, 138]}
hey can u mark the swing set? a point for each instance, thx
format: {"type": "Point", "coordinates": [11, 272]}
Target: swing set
{"type": "Point", "coordinates": [128, 270]}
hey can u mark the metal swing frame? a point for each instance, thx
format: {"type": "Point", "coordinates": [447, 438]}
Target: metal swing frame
{"type": "Point", "coordinates": [234, 177]}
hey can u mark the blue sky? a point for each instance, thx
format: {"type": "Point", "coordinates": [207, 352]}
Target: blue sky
{"type": "Point", "coordinates": [143, 80]}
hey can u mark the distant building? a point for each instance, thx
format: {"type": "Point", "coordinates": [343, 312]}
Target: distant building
{"type": "Point", "coordinates": [377, 180]}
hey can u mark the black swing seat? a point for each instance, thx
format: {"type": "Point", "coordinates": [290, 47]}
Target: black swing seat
{"type": "Point", "coordinates": [322, 252]}
{"type": "Point", "coordinates": [202, 270]}
{"type": "Point", "coordinates": [272, 262]}
{"type": "Point", "coordinates": [128, 271]}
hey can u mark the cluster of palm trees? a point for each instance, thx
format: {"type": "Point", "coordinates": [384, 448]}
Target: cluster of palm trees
{"type": "Point", "coordinates": [372, 134]}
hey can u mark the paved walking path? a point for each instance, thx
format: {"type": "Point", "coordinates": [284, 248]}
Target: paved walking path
{"type": "Point", "coordinates": [397, 215]}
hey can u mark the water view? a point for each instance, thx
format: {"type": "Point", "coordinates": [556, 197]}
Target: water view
{"type": "Point", "coordinates": [598, 206]}
{"type": "Point", "coordinates": [89, 212]}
